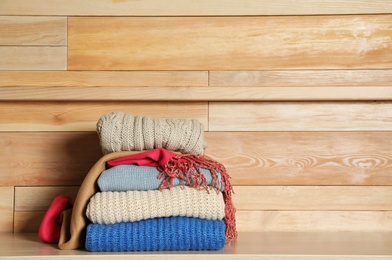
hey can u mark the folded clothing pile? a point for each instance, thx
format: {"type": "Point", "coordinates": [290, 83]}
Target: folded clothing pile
{"type": "Point", "coordinates": [153, 199]}
{"type": "Point", "coordinates": [134, 211]}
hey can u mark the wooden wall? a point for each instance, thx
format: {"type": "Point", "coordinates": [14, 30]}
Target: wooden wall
{"type": "Point", "coordinates": [295, 99]}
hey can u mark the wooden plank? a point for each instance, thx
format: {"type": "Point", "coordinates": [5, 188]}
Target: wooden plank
{"type": "Point", "coordinates": [249, 245]}
{"type": "Point", "coordinates": [169, 93]}
{"type": "Point", "coordinates": [28, 30]}
{"type": "Point", "coordinates": [6, 208]}
{"type": "Point", "coordinates": [311, 78]}
{"type": "Point", "coordinates": [302, 116]}
{"type": "Point", "coordinates": [32, 159]}
{"type": "Point", "coordinates": [272, 221]}
{"type": "Point", "coordinates": [251, 158]}
{"type": "Point", "coordinates": [312, 198]}
{"type": "Point", "coordinates": [40, 198]}
{"type": "Point", "coordinates": [33, 58]}
{"type": "Point", "coordinates": [303, 158]}
{"type": "Point", "coordinates": [314, 221]}
{"type": "Point", "coordinates": [83, 116]}
{"type": "Point", "coordinates": [201, 7]}
{"type": "Point", "coordinates": [118, 79]}
{"type": "Point", "coordinates": [314, 78]}
{"type": "Point", "coordinates": [179, 43]}
{"type": "Point", "coordinates": [27, 222]}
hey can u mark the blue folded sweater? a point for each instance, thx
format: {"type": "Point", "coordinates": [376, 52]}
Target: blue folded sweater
{"type": "Point", "coordinates": [132, 177]}
{"type": "Point", "coordinates": [157, 234]}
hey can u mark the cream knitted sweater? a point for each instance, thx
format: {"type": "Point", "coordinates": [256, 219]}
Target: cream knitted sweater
{"type": "Point", "coordinates": [119, 131]}
{"type": "Point", "coordinates": [114, 207]}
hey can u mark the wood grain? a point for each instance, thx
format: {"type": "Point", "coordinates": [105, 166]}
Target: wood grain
{"type": "Point", "coordinates": [251, 158]}
{"type": "Point", "coordinates": [33, 159]}
{"type": "Point", "coordinates": [40, 198]}
{"type": "Point", "coordinates": [311, 78]}
{"type": "Point", "coordinates": [178, 43]}
{"type": "Point", "coordinates": [300, 78]}
{"type": "Point", "coordinates": [83, 116]}
{"type": "Point", "coordinates": [33, 58]}
{"type": "Point", "coordinates": [118, 79]}
{"type": "Point", "coordinates": [168, 93]}
{"type": "Point", "coordinates": [249, 245]}
{"type": "Point", "coordinates": [201, 7]}
{"type": "Point", "coordinates": [313, 221]}
{"type": "Point", "coordinates": [272, 221]}
{"type": "Point", "coordinates": [300, 116]}
{"type": "Point", "coordinates": [303, 158]}
{"type": "Point", "coordinates": [28, 222]}
{"type": "Point", "coordinates": [28, 30]}
{"type": "Point", "coordinates": [6, 208]}
{"type": "Point", "coordinates": [312, 198]}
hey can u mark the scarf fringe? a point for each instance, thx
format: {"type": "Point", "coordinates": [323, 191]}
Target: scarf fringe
{"type": "Point", "coordinates": [186, 167]}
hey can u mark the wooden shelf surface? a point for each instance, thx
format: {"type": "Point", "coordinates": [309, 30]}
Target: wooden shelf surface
{"type": "Point", "coordinates": [252, 245]}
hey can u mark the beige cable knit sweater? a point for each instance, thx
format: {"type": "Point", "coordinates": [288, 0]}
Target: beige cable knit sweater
{"type": "Point", "coordinates": [129, 206]}
{"type": "Point", "coordinates": [119, 131]}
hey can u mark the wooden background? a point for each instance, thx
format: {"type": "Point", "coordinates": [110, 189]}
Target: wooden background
{"type": "Point", "coordinates": [295, 99]}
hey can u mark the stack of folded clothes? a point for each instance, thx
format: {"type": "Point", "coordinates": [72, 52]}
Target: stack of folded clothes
{"type": "Point", "coordinates": [152, 199]}
{"type": "Point", "coordinates": [134, 211]}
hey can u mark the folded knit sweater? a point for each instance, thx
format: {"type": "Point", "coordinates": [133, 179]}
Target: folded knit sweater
{"type": "Point", "coordinates": [174, 233]}
{"type": "Point", "coordinates": [119, 131]}
{"type": "Point", "coordinates": [129, 177]}
{"type": "Point", "coordinates": [115, 207]}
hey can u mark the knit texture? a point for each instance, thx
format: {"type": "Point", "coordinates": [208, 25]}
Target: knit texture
{"type": "Point", "coordinates": [119, 131]}
{"type": "Point", "coordinates": [157, 234]}
{"type": "Point", "coordinates": [132, 177]}
{"type": "Point", "coordinates": [115, 207]}
{"type": "Point", "coordinates": [186, 167]}
{"type": "Point", "coordinates": [73, 229]}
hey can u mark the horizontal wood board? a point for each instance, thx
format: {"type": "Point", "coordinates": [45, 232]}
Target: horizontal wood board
{"type": "Point", "coordinates": [33, 58]}
{"type": "Point", "coordinates": [303, 158]}
{"type": "Point", "coordinates": [300, 116]}
{"type": "Point", "coordinates": [28, 30]}
{"type": "Point", "coordinates": [298, 78]}
{"type": "Point", "coordinates": [272, 221]}
{"type": "Point", "coordinates": [167, 93]}
{"type": "Point", "coordinates": [83, 116]}
{"type": "Point", "coordinates": [222, 116]}
{"type": "Point", "coordinates": [178, 43]}
{"type": "Point", "coordinates": [251, 158]}
{"type": "Point", "coordinates": [313, 198]}
{"type": "Point", "coordinates": [201, 7]}
{"type": "Point", "coordinates": [117, 79]}
{"type": "Point", "coordinates": [41, 158]}
{"type": "Point", "coordinates": [39, 198]}
{"type": "Point", "coordinates": [311, 221]}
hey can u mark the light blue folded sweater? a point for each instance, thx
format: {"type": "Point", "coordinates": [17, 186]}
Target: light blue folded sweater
{"type": "Point", "coordinates": [130, 177]}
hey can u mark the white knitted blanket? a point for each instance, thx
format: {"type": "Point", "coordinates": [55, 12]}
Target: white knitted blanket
{"type": "Point", "coordinates": [119, 131]}
{"type": "Point", "coordinates": [114, 207]}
